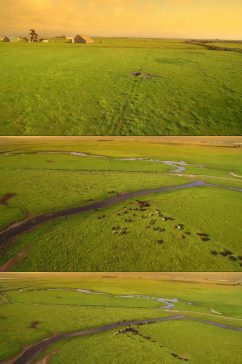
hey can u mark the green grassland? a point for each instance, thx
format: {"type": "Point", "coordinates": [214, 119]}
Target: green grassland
{"type": "Point", "coordinates": [36, 306]}
{"type": "Point", "coordinates": [41, 182]}
{"type": "Point", "coordinates": [58, 88]}
{"type": "Point", "coordinates": [87, 243]}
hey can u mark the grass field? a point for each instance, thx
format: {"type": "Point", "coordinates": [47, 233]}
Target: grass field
{"type": "Point", "coordinates": [71, 89]}
{"type": "Point", "coordinates": [35, 306]}
{"type": "Point", "coordinates": [186, 229]}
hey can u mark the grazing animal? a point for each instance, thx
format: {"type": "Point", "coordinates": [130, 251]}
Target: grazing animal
{"type": "Point", "coordinates": [231, 257]}
{"type": "Point", "coordinates": [226, 253]}
{"type": "Point", "coordinates": [179, 226]}
{"type": "Point", "coordinates": [167, 218]}
{"type": "Point", "coordinates": [152, 222]}
{"type": "Point", "coordinates": [143, 203]}
{"type": "Point", "coordinates": [205, 238]}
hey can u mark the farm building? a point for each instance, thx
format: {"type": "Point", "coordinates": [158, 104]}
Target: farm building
{"type": "Point", "coordinates": [4, 39]}
{"type": "Point", "coordinates": [80, 39]}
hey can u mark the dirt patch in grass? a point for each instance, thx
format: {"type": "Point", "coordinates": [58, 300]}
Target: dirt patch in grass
{"type": "Point", "coordinates": [141, 74]}
{"type": "Point", "coordinates": [47, 358]}
{"type": "Point", "coordinates": [34, 324]}
{"type": "Point", "coordinates": [5, 198]}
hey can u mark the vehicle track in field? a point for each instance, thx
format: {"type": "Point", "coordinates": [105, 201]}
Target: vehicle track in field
{"type": "Point", "coordinates": [134, 89]}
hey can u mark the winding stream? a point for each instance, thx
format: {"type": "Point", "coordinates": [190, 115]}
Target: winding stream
{"type": "Point", "coordinates": [179, 166]}
{"type": "Point", "coordinates": [25, 225]}
{"type": "Point", "coordinates": [169, 302]}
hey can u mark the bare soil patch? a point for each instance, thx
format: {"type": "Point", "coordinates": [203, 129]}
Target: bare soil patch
{"type": "Point", "coordinates": [141, 74]}
{"type": "Point", "coordinates": [5, 198]}
{"type": "Point", "coordinates": [16, 259]}
{"type": "Point", "coordinates": [34, 324]}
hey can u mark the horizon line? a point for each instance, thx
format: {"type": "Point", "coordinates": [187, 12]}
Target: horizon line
{"type": "Point", "coordinates": [60, 35]}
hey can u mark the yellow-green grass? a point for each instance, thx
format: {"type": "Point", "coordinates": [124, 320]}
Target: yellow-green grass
{"type": "Point", "coordinates": [30, 312]}
{"type": "Point", "coordinates": [71, 89]}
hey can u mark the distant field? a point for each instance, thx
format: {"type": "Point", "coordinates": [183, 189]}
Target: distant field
{"type": "Point", "coordinates": [227, 44]}
{"type": "Point", "coordinates": [58, 88]}
{"type": "Point", "coordinates": [187, 229]}
{"type": "Point", "coordinates": [202, 320]}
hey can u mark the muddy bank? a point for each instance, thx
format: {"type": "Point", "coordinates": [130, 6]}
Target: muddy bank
{"type": "Point", "coordinates": [26, 225]}
{"type": "Point", "coordinates": [27, 355]}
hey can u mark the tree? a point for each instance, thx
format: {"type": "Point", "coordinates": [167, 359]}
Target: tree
{"type": "Point", "coordinates": [33, 35]}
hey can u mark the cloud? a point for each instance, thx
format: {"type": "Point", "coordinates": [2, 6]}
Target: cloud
{"type": "Point", "coordinates": [217, 18]}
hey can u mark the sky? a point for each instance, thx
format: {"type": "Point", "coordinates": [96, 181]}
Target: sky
{"type": "Point", "coordinates": [139, 18]}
